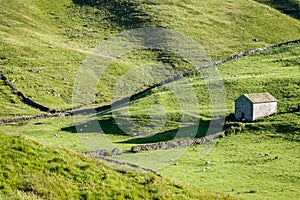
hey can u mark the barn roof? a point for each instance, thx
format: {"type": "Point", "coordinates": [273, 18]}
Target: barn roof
{"type": "Point", "coordinates": [260, 97]}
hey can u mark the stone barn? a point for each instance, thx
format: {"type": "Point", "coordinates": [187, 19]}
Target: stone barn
{"type": "Point", "coordinates": [250, 107]}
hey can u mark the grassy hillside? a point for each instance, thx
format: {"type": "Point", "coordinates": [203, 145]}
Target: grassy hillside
{"type": "Point", "coordinates": [43, 43]}
{"type": "Point", "coordinates": [289, 7]}
{"type": "Point", "coordinates": [239, 166]}
{"type": "Point", "coordinates": [11, 103]}
{"type": "Point", "coordinates": [33, 171]}
{"type": "Point", "coordinates": [275, 71]}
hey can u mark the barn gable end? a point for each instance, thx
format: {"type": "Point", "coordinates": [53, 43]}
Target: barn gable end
{"type": "Point", "coordinates": [243, 109]}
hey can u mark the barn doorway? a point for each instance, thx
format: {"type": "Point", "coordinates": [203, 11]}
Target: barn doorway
{"type": "Point", "coordinates": [243, 115]}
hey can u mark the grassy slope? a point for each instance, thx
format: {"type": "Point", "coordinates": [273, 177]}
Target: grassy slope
{"type": "Point", "coordinates": [55, 36]}
{"type": "Point", "coordinates": [11, 103]}
{"type": "Point", "coordinates": [289, 7]}
{"type": "Point", "coordinates": [276, 71]}
{"type": "Point", "coordinates": [239, 165]}
{"type": "Point", "coordinates": [33, 171]}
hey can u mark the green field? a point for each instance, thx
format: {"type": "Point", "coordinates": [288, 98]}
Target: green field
{"type": "Point", "coordinates": [240, 168]}
{"type": "Point", "coordinates": [278, 135]}
{"type": "Point", "coordinates": [33, 171]}
{"type": "Point", "coordinates": [43, 44]}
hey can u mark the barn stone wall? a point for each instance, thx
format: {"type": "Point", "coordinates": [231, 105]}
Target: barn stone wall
{"type": "Point", "coordinates": [264, 109]}
{"type": "Point", "coordinates": [243, 105]}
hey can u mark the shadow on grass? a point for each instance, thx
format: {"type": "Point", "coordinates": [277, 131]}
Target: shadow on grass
{"type": "Point", "coordinates": [186, 132]}
{"type": "Point", "coordinates": [288, 7]}
{"type": "Point", "coordinates": [283, 128]}
{"type": "Point", "coordinates": [109, 126]}
{"type": "Point", "coordinates": [290, 128]}
{"type": "Point", "coordinates": [125, 14]}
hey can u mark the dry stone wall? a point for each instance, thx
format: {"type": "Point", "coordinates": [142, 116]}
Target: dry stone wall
{"type": "Point", "coordinates": [180, 143]}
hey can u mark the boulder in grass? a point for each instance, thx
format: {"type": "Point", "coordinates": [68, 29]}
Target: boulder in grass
{"type": "Point", "coordinates": [116, 151]}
